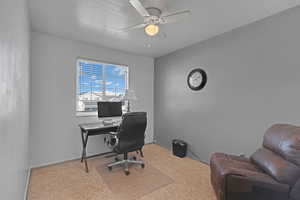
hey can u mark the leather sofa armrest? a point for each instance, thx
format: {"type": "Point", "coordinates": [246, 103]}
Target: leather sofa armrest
{"type": "Point", "coordinates": [240, 158]}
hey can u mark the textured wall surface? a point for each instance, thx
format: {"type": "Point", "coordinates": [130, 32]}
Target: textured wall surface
{"type": "Point", "coordinates": [253, 82]}
{"type": "Point", "coordinates": [14, 98]}
{"type": "Point", "coordinates": [55, 135]}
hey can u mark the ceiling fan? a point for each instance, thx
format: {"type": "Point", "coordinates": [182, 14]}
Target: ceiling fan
{"type": "Point", "coordinates": [153, 17]}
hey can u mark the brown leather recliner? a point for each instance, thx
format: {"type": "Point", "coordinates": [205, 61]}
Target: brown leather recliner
{"type": "Point", "coordinates": [271, 173]}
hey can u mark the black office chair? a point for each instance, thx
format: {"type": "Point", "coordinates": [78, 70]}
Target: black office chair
{"type": "Point", "coordinates": [130, 137]}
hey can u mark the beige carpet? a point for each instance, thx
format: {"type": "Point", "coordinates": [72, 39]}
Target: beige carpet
{"type": "Point", "coordinates": [139, 183]}
{"type": "Point", "coordinates": [183, 179]}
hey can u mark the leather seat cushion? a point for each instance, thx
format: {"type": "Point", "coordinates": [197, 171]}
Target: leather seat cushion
{"type": "Point", "coordinates": [284, 139]}
{"type": "Point", "coordinates": [275, 166]}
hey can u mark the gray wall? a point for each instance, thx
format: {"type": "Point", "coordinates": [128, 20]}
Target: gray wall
{"type": "Point", "coordinates": [253, 82]}
{"type": "Point", "coordinates": [55, 134]}
{"type": "Point", "coordinates": [14, 98]}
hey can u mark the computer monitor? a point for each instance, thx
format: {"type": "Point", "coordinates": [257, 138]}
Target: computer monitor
{"type": "Point", "coordinates": [109, 109]}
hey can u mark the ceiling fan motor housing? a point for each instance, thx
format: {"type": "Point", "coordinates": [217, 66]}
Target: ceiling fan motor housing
{"type": "Point", "coordinates": [154, 11]}
{"type": "Point", "coordinates": [154, 17]}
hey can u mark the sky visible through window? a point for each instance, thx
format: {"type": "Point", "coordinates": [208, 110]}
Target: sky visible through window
{"type": "Point", "coordinates": [96, 78]}
{"type": "Point", "coordinates": [99, 82]}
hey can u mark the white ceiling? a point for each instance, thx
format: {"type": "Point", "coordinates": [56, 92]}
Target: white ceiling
{"type": "Point", "coordinates": [94, 21]}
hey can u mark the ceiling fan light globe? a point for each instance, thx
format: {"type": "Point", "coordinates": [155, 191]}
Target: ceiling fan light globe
{"type": "Point", "coordinates": [152, 29]}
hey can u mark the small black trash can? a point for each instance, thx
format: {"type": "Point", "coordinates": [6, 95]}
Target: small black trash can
{"type": "Point", "coordinates": [179, 148]}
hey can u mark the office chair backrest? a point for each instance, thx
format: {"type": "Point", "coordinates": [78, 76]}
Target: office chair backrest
{"type": "Point", "coordinates": [131, 132]}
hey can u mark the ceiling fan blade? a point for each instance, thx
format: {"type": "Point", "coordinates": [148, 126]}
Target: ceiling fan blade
{"type": "Point", "coordinates": [137, 26]}
{"type": "Point", "coordinates": [175, 17]}
{"type": "Point", "coordinates": [139, 7]}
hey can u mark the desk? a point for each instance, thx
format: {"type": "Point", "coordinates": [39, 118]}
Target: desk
{"type": "Point", "coordinates": [92, 129]}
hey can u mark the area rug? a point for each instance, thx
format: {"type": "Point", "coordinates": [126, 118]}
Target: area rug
{"type": "Point", "coordinates": [137, 184]}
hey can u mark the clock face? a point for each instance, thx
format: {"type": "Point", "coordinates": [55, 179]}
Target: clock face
{"type": "Point", "coordinates": [197, 79]}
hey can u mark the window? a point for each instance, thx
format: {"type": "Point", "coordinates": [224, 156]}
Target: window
{"type": "Point", "coordinates": [97, 81]}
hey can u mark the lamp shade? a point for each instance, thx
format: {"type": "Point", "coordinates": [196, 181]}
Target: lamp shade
{"type": "Point", "coordinates": [129, 95]}
{"type": "Point", "coordinates": [152, 29]}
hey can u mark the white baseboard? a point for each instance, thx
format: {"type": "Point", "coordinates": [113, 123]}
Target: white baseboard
{"type": "Point", "coordinates": [66, 160]}
{"type": "Point", "coordinates": [53, 163]}
{"type": "Point", "coordinates": [27, 183]}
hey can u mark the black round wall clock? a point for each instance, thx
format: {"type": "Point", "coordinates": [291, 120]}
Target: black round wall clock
{"type": "Point", "coordinates": [197, 79]}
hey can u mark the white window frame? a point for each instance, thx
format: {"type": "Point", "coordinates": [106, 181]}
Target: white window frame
{"type": "Point", "coordinates": [79, 59]}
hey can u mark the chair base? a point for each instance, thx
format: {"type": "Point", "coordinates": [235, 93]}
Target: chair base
{"type": "Point", "coordinates": [124, 163]}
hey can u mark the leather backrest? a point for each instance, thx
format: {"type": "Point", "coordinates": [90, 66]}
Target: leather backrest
{"type": "Point", "coordinates": [280, 155]}
{"type": "Point", "coordinates": [284, 139]}
{"type": "Point", "coordinates": [131, 132]}
{"type": "Point", "coordinates": [274, 165]}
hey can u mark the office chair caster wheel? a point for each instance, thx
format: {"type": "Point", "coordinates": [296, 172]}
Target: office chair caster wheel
{"type": "Point", "coordinates": [127, 173]}
{"type": "Point", "coordinates": [134, 158]}
{"type": "Point", "coordinates": [109, 168]}
{"type": "Point", "coordinates": [143, 166]}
